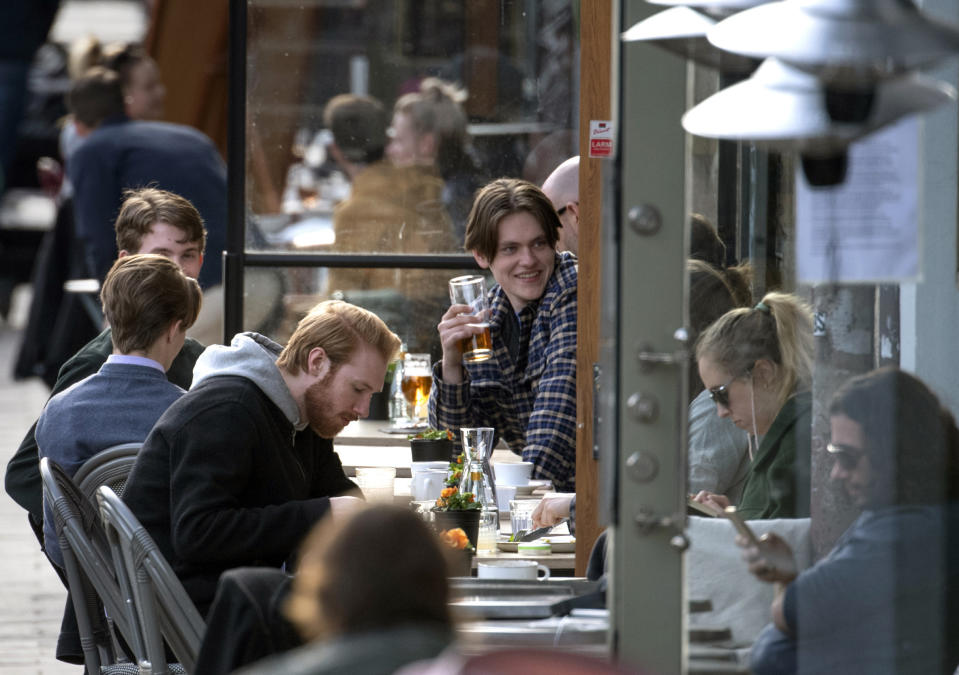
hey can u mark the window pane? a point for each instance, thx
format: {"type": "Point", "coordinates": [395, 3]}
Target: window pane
{"type": "Point", "coordinates": [410, 301]}
{"type": "Point", "coordinates": [396, 172]}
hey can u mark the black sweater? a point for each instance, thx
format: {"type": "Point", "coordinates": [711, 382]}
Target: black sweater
{"type": "Point", "coordinates": [224, 480]}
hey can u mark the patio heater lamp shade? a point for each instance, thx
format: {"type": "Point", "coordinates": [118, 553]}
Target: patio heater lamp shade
{"type": "Point", "coordinates": [782, 107]}
{"type": "Point", "coordinates": [717, 8]}
{"type": "Point", "coordinates": [682, 31]}
{"type": "Point", "coordinates": [847, 43]}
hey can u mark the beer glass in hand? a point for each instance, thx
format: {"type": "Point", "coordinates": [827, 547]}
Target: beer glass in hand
{"type": "Point", "coordinates": [416, 383]}
{"type": "Point", "coordinates": [471, 290]}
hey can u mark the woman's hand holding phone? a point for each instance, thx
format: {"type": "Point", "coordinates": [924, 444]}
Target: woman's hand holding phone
{"type": "Point", "coordinates": [769, 557]}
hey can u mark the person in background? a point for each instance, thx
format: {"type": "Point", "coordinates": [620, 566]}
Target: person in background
{"type": "Point", "coordinates": [150, 221]}
{"type": "Point", "coordinates": [24, 25]}
{"type": "Point", "coordinates": [706, 245]}
{"type": "Point", "coordinates": [143, 91]}
{"type": "Point", "coordinates": [429, 129]}
{"type": "Point", "coordinates": [149, 303]}
{"type": "Point", "coordinates": [718, 459]}
{"type": "Point", "coordinates": [391, 209]}
{"type": "Point", "coordinates": [886, 599]}
{"type": "Point", "coordinates": [120, 153]}
{"type": "Point", "coordinates": [704, 241]}
{"type": "Point", "coordinates": [562, 188]}
{"type": "Point", "coordinates": [757, 366]}
{"type": "Point", "coordinates": [527, 389]}
{"type": "Point", "coordinates": [359, 613]}
{"type": "Point", "coordinates": [238, 470]}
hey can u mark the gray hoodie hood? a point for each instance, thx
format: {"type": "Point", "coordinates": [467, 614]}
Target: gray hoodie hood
{"type": "Point", "coordinates": [252, 356]}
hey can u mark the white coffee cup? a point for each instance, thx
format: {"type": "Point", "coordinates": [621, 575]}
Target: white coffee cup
{"type": "Point", "coordinates": [427, 484]}
{"type": "Point", "coordinates": [504, 493]}
{"type": "Point", "coordinates": [511, 569]}
{"type": "Point", "coordinates": [513, 473]}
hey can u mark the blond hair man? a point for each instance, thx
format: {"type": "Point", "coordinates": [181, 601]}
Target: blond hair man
{"type": "Point", "coordinates": [239, 469]}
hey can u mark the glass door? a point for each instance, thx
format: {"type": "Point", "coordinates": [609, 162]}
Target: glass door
{"type": "Point", "coordinates": [853, 266]}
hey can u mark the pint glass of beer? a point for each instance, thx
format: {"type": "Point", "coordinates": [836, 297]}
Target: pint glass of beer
{"type": "Point", "coordinates": [416, 384]}
{"type": "Point", "coordinates": [471, 290]}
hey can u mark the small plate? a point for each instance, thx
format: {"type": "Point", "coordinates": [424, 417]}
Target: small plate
{"type": "Point", "coordinates": [532, 486]}
{"type": "Point", "coordinates": [411, 429]}
{"type": "Point", "coordinates": [562, 543]}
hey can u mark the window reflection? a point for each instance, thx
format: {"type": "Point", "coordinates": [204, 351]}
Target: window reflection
{"type": "Point", "coordinates": [410, 301]}
{"type": "Point", "coordinates": [467, 92]}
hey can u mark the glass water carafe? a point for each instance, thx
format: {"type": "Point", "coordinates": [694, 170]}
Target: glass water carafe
{"type": "Point", "coordinates": [478, 480]}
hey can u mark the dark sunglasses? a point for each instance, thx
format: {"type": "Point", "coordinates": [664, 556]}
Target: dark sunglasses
{"type": "Point", "coordinates": [720, 394]}
{"type": "Point", "coordinates": [847, 456]}
{"type": "Point", "coordinates": [562, 210]}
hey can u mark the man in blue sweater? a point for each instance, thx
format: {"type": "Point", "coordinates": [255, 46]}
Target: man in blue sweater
{"type": "Point", "coordinates": [150, 221]}
{"type": "Point", "coordinates": [150, 303]}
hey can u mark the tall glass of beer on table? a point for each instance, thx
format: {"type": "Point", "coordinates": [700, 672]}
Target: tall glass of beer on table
{"type": "Point", "coordinates": [471, 290]}
{"type": "Point", "coordinates": [416, 384]}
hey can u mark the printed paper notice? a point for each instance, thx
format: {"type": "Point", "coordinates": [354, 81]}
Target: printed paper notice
{"type": "Point", "coordinates": [867, 228]}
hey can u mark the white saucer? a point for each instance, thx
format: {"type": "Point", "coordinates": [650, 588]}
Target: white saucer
{"type": "Point", "coordinates": [533, 485]}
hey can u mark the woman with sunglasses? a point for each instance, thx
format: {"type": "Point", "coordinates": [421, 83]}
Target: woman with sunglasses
{"type": "Point", "coordinates": [886, 599]}
{"type": "Point", "coordinates": [757, 365]}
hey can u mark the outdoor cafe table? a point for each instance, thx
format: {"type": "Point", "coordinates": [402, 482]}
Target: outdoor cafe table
{"type": "Point", "coordinates": [362, 443]}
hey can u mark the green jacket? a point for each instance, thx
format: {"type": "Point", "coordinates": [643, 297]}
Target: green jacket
{"type": "Point", "coordinates": [778, 482]}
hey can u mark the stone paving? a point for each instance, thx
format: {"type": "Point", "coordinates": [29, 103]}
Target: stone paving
{"type": "Point", "coordinates": [31, 595]}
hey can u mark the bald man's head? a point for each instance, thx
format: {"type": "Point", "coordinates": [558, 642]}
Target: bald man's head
{"type": "Point", "coordinates": [562, 188]}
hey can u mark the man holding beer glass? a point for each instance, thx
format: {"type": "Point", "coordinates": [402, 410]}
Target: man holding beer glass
{"type": "Point", "coordinates": [525, 387]}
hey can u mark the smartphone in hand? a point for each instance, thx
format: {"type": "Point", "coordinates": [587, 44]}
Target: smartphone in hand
{"type": "Point", "coordinates": [741, 525]}
{"type": "Point", "coordinates": [704, 509]}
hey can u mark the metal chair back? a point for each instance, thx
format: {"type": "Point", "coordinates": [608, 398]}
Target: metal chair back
{"type": "Point", "coordinates": [95, 590]}
{"type": "Point", "coordinates": [165, 610]}
{"type": "Point", "coordinates": [108, 467]}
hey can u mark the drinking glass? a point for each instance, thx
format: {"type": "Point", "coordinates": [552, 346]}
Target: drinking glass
{"type": "Point", "coordinates": [521, 514]}
{"type": "Point", "coordinates": [376, 483]}
{"type": "Point", "coordinates": [307, 186]}
{"type": "Point", "coordinates": [488, 531]}
{"type": "Point", "coordinates": [471, 290]}
{"type": "Point", "coordinates": [416, 383]}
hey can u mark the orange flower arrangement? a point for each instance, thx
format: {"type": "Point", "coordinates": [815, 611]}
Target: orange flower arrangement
{"type": "Point", "coordinates": [455, 472]}
{"type": "Point", "coordinates": [451, 499]}
{"type": "Point", "coordinates": [456, 538]}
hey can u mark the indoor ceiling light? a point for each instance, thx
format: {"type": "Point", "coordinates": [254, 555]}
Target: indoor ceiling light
{"type": "Point", "coordinates": [682, 31]}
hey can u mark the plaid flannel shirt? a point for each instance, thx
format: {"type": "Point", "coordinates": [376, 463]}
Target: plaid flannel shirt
{"type": "Point", "coordinates": [530, 403]}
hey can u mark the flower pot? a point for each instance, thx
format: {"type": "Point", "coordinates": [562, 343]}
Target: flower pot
{"type": "Point", "coordinates": [431, 449]}
{"type": "Point", "coordinates": [467, 519]}
{"type": "Point", "coordinates": [460, 563]}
